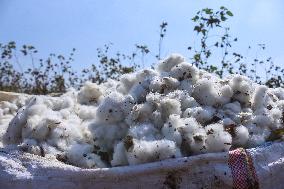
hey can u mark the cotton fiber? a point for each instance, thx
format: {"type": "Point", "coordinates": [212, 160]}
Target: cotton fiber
{"type": "Point", "coordinates": [170, 111]}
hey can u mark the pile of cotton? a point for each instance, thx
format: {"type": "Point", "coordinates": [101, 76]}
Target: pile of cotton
{"type": "Point", "coordinates": [171, 111]}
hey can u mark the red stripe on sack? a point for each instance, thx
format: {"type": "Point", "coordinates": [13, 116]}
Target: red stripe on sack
{"type": "Point", "coordinates": [243, 172]}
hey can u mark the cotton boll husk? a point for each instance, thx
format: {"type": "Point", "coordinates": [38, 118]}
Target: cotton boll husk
{"type": "Point", "coordinates": [144, 131]}
{"type": "Point", "coordinates": [183, 71]}
{"type": "Point", "coordinates": [149, 151]}
{"type": "Point", "coordinates": [241, 136]}
{"type": "Point", "coordinates": [81, 155]}
{"type": "Point", "coordinates": [171, 61]}
{"type": "Point", "coordinates": [119, 155]}
{"type": "Point", "coordinates": [89, 93]}
{"type": "Point", "coordinates": [217, 139]}
{"type": "Point", "coordinates": [110, 109]}
{"type": "Point", "coordinates": [205, 92]}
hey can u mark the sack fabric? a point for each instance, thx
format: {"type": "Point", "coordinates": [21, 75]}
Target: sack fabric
{"type": "Point", "coordinates": [261, 167]}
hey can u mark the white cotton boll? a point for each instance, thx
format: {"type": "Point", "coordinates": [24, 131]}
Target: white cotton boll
{"type": "Point", "coordinates": [81, 155]}
{"type": "Point", "coordinates": [149, 151]}
{"type": "Point", "coordinates": [278, 92]}
{"type": "Point", "coordinates": [37, 109]}
{"type": "Point", "coordinates": [205, 92]}
{"type": "Point", "coordinates": [184, 71]}
{"type": "Point", "coordinates": [105, 136]}
{"type": "Point", "coordinates": [138, 92]}
{"type": "Point", "coordinates": [170, 129]}
{"type": "Point", "coordinates": [193, 135]}
{"type": "Point", "coordinates": [144, 131]}
{"type": "Point", "coordinates": [65, 113]}
{"type": "Point", "coordinates": [188, 102]}
{"type": "Point", "coordinates": [276, 116]}
{"type": "Point", "coordinates": [241, 136]}
{"type": "Point", "coordinates": [13, 132]}
{"type": "Point", "coordinates": [146, 74]}
{"type": "Point", "coordinates": [156, 84]}
{"type": "Point", "coordinates": [201, 114]}
{"type": "Point", "coordinates": [258, 98]}
{"type": "Point", "coordinates": [87, 112]}
{"type": "Point", "coordinates": [8, 107]}
{"type": "Point", "coordinates": [227, 122]}
{"type": "Point", "coordinates": [234, 107]}
{"type": "Point", "coordinates": [186, 85]}
{"type": "Point", "coordinates": [140, 113]}
{"type": "Point", "coordinates": [185, 99]}
{"type": "Point", "coordinates": [119, 155]}
{"type": "Point", "coordinates": [157, 120]}
{"type": "Point", "coordinates": [127, 104]}
{"type": "Point", "coordinates": [171, 61]}
{"type": "Point", "coordinates": [257, 136]}
{"type": "Point", "coordinates": [169, 84]}
{"type": "Point", "coordinates": [196, 141]}
{"type": "Point", "coordinates": [50, 150]}
{"type": "Point", "coordinates": [110, 109]}
{"type": "Point", "coordinates": [262, 121]}
{"type": "Point", "coordinates": [218, 140]}
{"type": "Point", "coordinates": [226, 94]}
{"type": "Point", "coordinates": [30, 126]}
{"type": "Point", "coordinates": [170, 106]}
{"type": "Point", "coordinates": [89, 93]}
{"type": "Point", "coordinates": [280, 105]}
{"type": "Point", "coordinates": [242, 88]}
{"type": "Point", "coordinates": [30, 146]}
{"type": "Point", "coordinates": [43, 127]}
{"type": "Point", "coordinates": [108, 86]}
{"type": "Point", "coordinates": [126, 82]}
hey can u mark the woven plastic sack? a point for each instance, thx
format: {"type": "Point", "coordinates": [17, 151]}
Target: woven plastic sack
{"type": "Point", "coordinates": [261, 167]}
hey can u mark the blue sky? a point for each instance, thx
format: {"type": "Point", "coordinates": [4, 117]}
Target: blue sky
{"type": "Point", "coordinates": [59, 25]}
